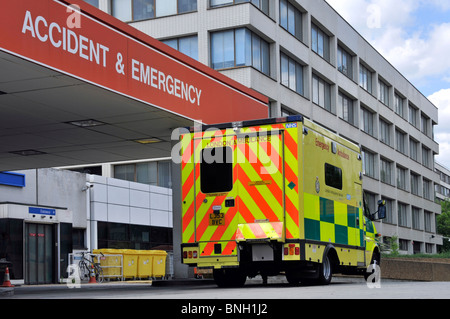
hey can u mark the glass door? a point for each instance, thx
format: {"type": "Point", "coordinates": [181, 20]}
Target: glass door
{"type": "Point", "coordinates": [39, 252]}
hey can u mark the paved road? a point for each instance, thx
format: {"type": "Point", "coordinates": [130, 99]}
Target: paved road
{"type": "Point", "coordinates": [277, 288]}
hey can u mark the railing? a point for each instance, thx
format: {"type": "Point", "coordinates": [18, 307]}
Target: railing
{"type": "Point", "coordinates": [111, 265]}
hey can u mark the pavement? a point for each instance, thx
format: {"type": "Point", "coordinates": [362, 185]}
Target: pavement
{"type": "Point", "coordinates": [9, 291]}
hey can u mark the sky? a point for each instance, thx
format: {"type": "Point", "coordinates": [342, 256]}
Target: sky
{"type": "Point", "coordinates": [414, 36]}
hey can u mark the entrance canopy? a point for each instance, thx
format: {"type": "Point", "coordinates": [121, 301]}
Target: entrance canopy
{"type": "Point", "coordinates": [78, 86]}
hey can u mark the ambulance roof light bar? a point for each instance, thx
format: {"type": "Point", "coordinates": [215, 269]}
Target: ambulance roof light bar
{"type": "Point", "coordinates": [240, 124]}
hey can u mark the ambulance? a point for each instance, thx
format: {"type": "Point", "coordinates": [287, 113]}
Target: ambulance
{"type": "Point", "coordinates": [275, 196]}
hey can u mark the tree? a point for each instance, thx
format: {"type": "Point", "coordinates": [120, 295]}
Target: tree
{"type": "Point", "coordinates": [443, 224]}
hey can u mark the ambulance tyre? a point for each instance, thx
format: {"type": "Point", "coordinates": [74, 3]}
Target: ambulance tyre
{"type": "Point", "coordinates": [325, 271]}
{"type": "Point", "coordinates": [228, 278]}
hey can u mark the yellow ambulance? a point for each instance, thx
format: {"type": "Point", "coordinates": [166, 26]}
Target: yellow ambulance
{"type": "Point", "coordinates": [274, 196]}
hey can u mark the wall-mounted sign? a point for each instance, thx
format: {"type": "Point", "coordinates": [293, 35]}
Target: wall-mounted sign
{"type": "Point", "coordinates": [79, 40]}
{"type": "Point", "coordinates": [41, 211]}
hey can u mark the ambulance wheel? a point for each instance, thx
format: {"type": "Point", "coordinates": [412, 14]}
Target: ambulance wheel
{"type": "Point", "coordinates": [325, 271]}
{"type": "Point", "coordinates": [229, 278]}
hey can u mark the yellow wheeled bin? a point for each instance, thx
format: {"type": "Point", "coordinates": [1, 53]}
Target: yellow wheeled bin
{"type": "Point", "coordinates": [130, 263]}
{"type": "Point", "coordinates": [145, 264]}
{"type": "Point", "coordinates": [159, 263]}
{"type": "Point", "coordinates": [111, 262]}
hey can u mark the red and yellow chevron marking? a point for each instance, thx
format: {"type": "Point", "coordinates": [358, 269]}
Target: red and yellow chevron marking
{"type": "Point", "coordinates": [292, 182]}
{"type": "Point", "coordinates": [265, 165]}
{"type": "Point", "coordinates": [264, 230]}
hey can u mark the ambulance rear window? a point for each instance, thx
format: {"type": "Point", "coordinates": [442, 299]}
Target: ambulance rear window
{"type": "Point", "coordinates": [216, 170]}
{"type": "Point", "coordinates": [333, 176]}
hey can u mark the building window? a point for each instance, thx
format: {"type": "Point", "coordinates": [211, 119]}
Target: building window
{"type": "Point", "coordinates": [426, 157]}
{"type": "Point", "coordinates": [402, 215]}
{"type": "Point", "coordinates": [239, 47]}
{"type": "Point", "coordinates": [135, 10]}
{"type": "Point", "coordinates": [151, 173]}
{"type": "Point", "coordinates": [367, 121]}
{"type": "Point", "coordinates": [383, 95]}
{"type": "Point", "coordinates": [403, 244]}
{"type": "Point", "coordinates": [414, 149]}
{"type": "Point", "coordinates": [93, 2]}
{"type": "Point", "coordinates": [320, 42]}
{"type": "Point", "coordinates": [186, 45]}
{"type": "Point", "coordinates": [262, 5]}
{"type": "Point", "coordinates": [389, 210]}
{"type": "Point", "coordinates": [78, 235]}
{"type": "Point", "coordinates": [416, 224]}
{"type": "Point", "coordinates": [140, 237]}
{"type": "Point", "coordinates": [398, 105]}
{"type": "Point", "coordinates": [415, 184]}
{"type": "Point", "coordinates": [426, 189]}
{"type": "Point", "coordinates": [385, 132]}
{"type": "Point", "coordinates": [413, 116]}
{"type": "Point", "coordinates": [365, 78]}
{"type": "Point", "coordinates": [400, 141]}
{"type": "Point", "coordinates": [428, 218]}
{"type": "Point", "coordinates": [291, 74]}
{"type": "Point", "coordinates": [321, 92]}
{"type": "Point", "coordinates": [369, 164]}
{"type": "Point", "coordinates": [291, 19]}
{"type": "Point", "coordinates": [346, 103]}
{"type": "Point", "coordinates": [401, 177]}
{"type": "Point", "coordinates": [187, 6]}
{"type": "Point", "coordinates": [345, 62]}
{"type": "Point", "coordinates": [386, 171]}
{"type": "Point", "coordinates": [424, 125]}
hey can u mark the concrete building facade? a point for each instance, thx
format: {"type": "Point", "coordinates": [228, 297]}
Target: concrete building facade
{"type": "Point", "coordinates": [51, 213]}
{"type": "Point", "coordinates": [307, 59]}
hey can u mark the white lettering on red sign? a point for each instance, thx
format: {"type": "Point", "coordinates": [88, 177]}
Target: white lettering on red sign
{"type": "Point", "coordinates": [166, 83]}
{"type": "Point", "coordinates": [65, 38]}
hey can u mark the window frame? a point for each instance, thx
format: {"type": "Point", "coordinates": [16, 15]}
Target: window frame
{"type": "Point", "coordinates": [325, 100]}
{"type": "Point", "coordinates": [320, 42]}
{"type": "Point", "coordinates": [131, 4]}
{"type": "Point", "coordinates": [210, 178]}
{"type": "Point", "coordinates": [333, 176]}
{"type": "Point", "coordinates": [249, 51]}
{"type": "Point", "coordinates": [348, 70]}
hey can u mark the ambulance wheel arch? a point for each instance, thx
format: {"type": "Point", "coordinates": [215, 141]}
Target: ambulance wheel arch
{"type": "Point", "coordinates": [375, 260]}
{"type": "Point", "coordinates": [325, 269]}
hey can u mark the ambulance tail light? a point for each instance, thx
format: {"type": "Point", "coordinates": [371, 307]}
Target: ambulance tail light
{"type": "Point", "coordinates": [291, 249]}
{"type": "Point", "coordinates": [190, 254]}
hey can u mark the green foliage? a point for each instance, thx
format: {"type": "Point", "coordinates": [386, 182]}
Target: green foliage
{"type": "Point", "coordinates": [393, 243]}
{"type": "Point", "coordinates": [443, 225]}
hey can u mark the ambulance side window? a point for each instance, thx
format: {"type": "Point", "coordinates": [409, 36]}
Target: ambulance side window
{"type": "Point", "coordinates": [216, 170]}
{"type": "Point", "coordinates": [333, 176]}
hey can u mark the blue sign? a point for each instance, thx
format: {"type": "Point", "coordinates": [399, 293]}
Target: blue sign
{"type": "Point", "coordinates": [12, 179]}
{"type": "Point", "coordinates": [42, 211]}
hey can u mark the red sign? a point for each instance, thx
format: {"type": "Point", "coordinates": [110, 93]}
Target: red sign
{"type": "Point", "coordinates": [79, 40]}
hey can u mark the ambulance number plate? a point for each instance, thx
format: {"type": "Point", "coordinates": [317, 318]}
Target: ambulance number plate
{"type": "Point", "coordinates": [217, 219]}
